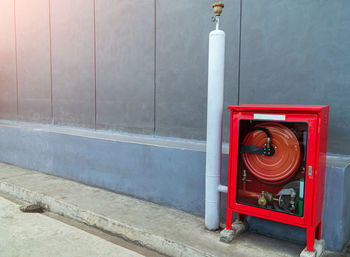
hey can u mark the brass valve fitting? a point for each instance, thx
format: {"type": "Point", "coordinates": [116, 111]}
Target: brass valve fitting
{"type": "Point", "coordinates": [218, 8]}
{"type": "Point", "coordinates": [265, 198]}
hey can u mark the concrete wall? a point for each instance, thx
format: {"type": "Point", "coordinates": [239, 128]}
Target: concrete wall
{"type": "Point", "coordinates": [164, 171]}
{"type": "Point", "coordinates": [140, 66]}
{"type": "Point", "coordinates": [134, 66]}
{"type": "Point", "coordinates": [297, 52]}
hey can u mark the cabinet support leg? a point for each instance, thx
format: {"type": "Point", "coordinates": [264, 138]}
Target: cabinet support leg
{"type": "Point", "coordinates": [229, 219]}
{"type": "Point", "coordinates": [310, 238]}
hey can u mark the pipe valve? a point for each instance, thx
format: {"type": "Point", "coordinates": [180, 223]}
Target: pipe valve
{"type": "Point", "coordinates": [217, 8]}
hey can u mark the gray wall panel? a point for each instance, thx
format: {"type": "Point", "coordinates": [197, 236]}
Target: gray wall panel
{"type": "Point", "coordinates": [297, 52]}
{"type": "Point", "coordinates": [293, 52]}
{"type": "Point", "coordinates": [33, 57]}
{"type": "Point", "coordinates": [8, 88]}
{"type": "Point", "coordinates": [231, 25]}
{"type": "Point", "coordinates": [73, 72]}
{"type": "Point", "coordinates": [125, 65]}
{"type": "Point", "coordinates": [182, 65]}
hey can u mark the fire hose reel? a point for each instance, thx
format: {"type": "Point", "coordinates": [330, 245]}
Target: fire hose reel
{"type": "Point", "coordinates": [281, 158]}
{"type": "Point", "coordinates": [272, 149]}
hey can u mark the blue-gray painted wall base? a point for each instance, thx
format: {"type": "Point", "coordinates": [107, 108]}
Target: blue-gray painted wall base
{"type": "Point", "coordinates": [337, 202]}
{"type": "Point", "coordinates": [171, 176]}
{"type": "Point", "coordinates": [168, 176]}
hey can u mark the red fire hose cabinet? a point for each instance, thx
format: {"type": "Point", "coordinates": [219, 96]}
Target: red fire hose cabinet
{"type": "Point", "coordinates": [277, 164]}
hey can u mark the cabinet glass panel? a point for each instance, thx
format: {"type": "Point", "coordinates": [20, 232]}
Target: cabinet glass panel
{"type": "Point", "coordinates": [272, 164]}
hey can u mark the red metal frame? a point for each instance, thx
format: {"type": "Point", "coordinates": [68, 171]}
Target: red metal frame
{"type": "Point", "coordinates": [316, 116]}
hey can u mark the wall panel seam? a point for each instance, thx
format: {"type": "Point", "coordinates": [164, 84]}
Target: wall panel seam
{"type": "Point", "coordinates": [155, 70]}
{"type": "Point", "coordinates": [50, 40]}
{"type": "Point", "coordinates": [239, 53]}
{"type": "Point", "coordinates": [95, 73]}
{"type": "Point", "coordinates": [16, 55]}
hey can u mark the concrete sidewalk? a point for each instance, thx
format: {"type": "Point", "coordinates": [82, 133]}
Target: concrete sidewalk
{"type": "Point", "coordinates": [168, 231]}
{"type": "Point", "coordinates": [36, 235]}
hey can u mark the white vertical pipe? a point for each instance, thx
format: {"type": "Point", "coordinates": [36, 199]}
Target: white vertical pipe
{"type": "Point", "coordinates": [214, 127]}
